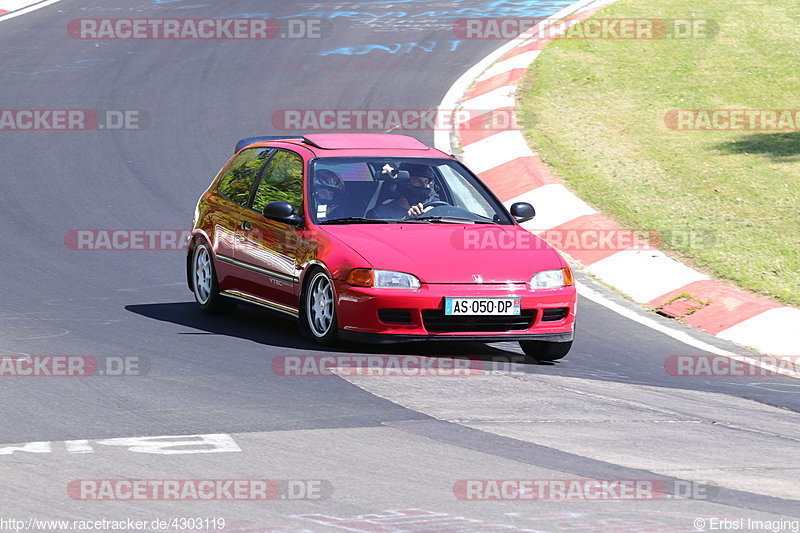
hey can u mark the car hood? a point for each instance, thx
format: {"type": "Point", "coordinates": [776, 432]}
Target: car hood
{"type": "Point", "coordinates": [450, 253]}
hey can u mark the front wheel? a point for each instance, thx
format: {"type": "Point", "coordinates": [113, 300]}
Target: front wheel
{"type": "Point", "coordinates": [318, 316]}
{"type": "Point", "coordinates": [536, 351]}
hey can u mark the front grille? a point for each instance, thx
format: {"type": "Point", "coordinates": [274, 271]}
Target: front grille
{"type": "Point", "coordinates": [437, 321]}
{"type": "Point", "coordinates": [555, 314]}
{"type": "Point", "coordinates": [395, 316]}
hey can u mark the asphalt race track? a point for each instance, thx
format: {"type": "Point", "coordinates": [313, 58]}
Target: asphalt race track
{"type": "Point", "coordinates": [387, 452]}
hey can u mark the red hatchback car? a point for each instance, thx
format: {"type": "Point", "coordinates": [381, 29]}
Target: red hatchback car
{"type": "Point", "coordinates": [376, 238]}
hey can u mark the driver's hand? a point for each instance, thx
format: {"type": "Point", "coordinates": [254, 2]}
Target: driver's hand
{"type": "Point", "coordinates": [415, 210]}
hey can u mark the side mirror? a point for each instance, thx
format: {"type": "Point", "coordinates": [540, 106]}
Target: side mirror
{"type": "Point", "coordinates": [282, 212]}
{"type": "Point", "coordinates": [522, 211]}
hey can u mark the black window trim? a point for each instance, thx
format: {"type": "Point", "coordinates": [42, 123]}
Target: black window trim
{"type": "Point", "coordinates": [260, 176]}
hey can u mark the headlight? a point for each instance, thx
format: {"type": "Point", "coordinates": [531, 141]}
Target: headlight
{"type": "Point", "coordinates": [382, 279]}
{"type": "Point", "coordinates": [386, 279]}
{"type": "Point", "coordinates": [551, 279]}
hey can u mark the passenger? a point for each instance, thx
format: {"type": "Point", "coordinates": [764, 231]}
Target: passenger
{"type": "Point", "coordinates": [328, 193]}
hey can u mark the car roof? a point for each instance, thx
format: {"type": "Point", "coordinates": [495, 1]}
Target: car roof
{"type": "Point", "coordinates": [349, 144]}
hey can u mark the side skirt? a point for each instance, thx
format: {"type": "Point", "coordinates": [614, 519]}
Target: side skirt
{"type": "Point", "coordinates": [249, 298]}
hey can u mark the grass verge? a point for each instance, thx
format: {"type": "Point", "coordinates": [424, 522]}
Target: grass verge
{"type": "Point", "coordinates": [595, 111]}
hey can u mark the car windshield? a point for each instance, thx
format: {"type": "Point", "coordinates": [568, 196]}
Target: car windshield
{"type": "Point", "coordinates": [369, 190]}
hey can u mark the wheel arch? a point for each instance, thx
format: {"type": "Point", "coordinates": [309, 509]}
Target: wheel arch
{"type": "Point", "coordinates": [308, 269]}
{"type": "Point", "coordinates": [197, 236]}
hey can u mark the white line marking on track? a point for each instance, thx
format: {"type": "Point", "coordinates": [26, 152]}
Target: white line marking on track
{"type": "Point", "coordinates": [26, 10]}
{"type": "Point", "coordinates": [596, 297]}
{"type": "Point", "coordinates": [161, 445]}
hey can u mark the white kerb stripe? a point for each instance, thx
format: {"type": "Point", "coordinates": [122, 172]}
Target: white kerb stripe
{"type": "Point", "coordinates": [522, 60]}
{"type": "Point", "coordinates": [442, 137]}
{"type": "Point", "coordinates": [775, 332]}
{"type": "Point", "coordinates": [637, 316]}
{"type": "Point", "coordinates": [554, 206]}
{"type": "Point", "coordinates": [504, 96]}
{"type": "Point", "coordinates": [644, 274]}
{"type": "Point", "coordinates": [495, 150]}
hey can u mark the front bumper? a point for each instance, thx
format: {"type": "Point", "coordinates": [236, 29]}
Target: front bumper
{"type": "Point", "coordinates": [389, 338]}
{"type": "Point", "coordinates": [359, 320]}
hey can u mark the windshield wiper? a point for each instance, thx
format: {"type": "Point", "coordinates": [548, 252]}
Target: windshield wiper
{"type": "Point", "coordinates": [487, 219]}
{"type": "Point", "coordinates": [355, 220]}
{"type": "Point", "coordinates": [445, 219]}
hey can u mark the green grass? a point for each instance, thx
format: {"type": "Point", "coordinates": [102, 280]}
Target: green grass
{"type": "Point", "coordinates": [594, 110]}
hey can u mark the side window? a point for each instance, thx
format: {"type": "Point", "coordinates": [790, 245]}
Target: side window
{"type": "Point", "coordinates": [238, 181]}
{"type": "Point", "coordinates": [282, 181]}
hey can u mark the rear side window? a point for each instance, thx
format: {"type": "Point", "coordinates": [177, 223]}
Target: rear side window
{"type": "Point", "coordinates": [239, 179]}
{"type": "Point", "coordinates": [282, 181]}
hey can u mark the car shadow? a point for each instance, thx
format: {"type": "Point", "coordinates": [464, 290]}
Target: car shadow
{"type": "Point", "coordinates": [269, 328]}
{"type": "Point", "coordinates": [781, 147]}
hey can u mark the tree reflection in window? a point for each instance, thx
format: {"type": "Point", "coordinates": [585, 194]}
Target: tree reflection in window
{"type": "Point", "coordinates": [282, 181]}
{"type": "Point", "coordinates": [239, 179]}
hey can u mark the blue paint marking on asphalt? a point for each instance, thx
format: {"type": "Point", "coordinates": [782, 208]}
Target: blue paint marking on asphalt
{"type": "Point", "coordinates": [494, 8]}
{"type": "Point", "coordinates": [324, 15]}
{"type": "Point", "coordinates": [394, 48]}
{"type": "Point", "coordinates": [369, 10]}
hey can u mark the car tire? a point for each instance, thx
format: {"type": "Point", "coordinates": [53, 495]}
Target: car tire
{"type": "Point", "coordinates": [318, 319]}
{"type": "Point", "coordinates": [536, 351]}
{"type": "Point", "coordinates": [204, 282]}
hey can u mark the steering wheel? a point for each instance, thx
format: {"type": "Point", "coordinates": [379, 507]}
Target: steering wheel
{"type": "Point", "coordinates": [436, 203]}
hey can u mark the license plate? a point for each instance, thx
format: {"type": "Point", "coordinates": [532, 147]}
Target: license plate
{"type": "Point", "coordinates": [482, 306]}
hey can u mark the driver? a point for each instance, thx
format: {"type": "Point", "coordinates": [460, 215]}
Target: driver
{"type": "Point", "coordinates": [328, 192]}
{"type": "Point", "coordinates": [412, 193]}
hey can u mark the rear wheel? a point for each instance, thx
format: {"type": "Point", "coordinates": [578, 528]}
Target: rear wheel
{"type": "Point", "coordinates": [544, 350]}
{"type": "Point", "coordinates": [204, 282]}
{"type": "Point", "coordinates": [318, 315]}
